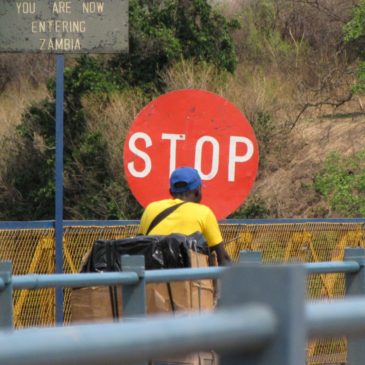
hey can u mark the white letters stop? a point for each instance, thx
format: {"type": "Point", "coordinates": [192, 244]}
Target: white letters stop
{"type": "Point", "coordinates": [232, 154]}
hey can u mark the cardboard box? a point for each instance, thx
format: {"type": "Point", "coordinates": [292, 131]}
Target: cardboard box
{"type": "Point", "coordinates": [94, 303]}
{"type": "Point", "coordinates": [91, 305]}
{"type": "Point", "coordinates": [186, 295]}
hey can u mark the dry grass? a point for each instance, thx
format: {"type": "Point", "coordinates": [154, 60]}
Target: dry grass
{"type": "Point", "coordinates": [113, 121]}
{"type": "Point", "coordinates": [254, 90]}
{"type": "Point", "coordinates": [288, 191]}
{"type": "Point", "coordinates": [188, 74]}
{"type": "Point", "coordinates": [14, 100]}
{"type": "Point", "coordinates": [250, 88]}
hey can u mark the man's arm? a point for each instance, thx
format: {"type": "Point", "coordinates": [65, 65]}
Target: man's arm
{"type": "Point", "coordinates": [222, 255]}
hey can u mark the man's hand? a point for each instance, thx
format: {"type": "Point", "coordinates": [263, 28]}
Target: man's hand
{"type": "Point", "coordinates": [222, 255]}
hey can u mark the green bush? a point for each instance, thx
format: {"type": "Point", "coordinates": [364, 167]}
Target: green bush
{"type": "Point", "coordinates": [355, 28]}
{"type": "Point", "coordinates": [264, 128]}
{"type": "Point", "coordinates": [355, 35]}
{"type": "Point", "coordinates": [262, 40]}
{"type": "Point", "coordinates": [253, 208]}
{"type": "Point", "coordinates": [165, 31]}
{"type": "Point", "coordinates": [342, 184]}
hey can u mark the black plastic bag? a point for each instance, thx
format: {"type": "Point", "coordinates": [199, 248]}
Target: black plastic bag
{"type": "Point", "coordinates": [160, 252]}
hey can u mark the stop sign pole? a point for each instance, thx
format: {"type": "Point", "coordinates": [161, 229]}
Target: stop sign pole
{"type": "Point", "coordinates": [60, 63]}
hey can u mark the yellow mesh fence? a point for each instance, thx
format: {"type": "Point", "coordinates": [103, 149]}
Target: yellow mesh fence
{"type": "Point", "coordinates": [76, 244]}
{"type": "Point", "coordinates": [30, 251]}
{"type": "Point", "coordinates": [33, 251]}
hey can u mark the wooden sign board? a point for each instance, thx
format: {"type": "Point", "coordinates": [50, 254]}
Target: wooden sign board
{"type": "Point", "coordinates": [77, 26]}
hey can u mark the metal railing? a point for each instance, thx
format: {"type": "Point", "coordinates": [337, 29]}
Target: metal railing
{"type": "Point", "coordinates": [31, 248]}
{"type": "Point", "coordinates": [262, 316]}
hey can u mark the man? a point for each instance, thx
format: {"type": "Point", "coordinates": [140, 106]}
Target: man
{"type": "Point", "coordinates": [189, 217]}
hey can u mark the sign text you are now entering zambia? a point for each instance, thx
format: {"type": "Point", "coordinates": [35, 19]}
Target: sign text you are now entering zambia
{"type": "Point", "coordinates": [192, 128]}
{"type": "Point", "coordinates": [77, 26]}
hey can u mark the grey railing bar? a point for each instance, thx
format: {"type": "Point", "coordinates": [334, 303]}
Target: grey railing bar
{"type": "Point", "coordinates": [332, 267]}
{"type": "Point", "coordinates": [2, 284]}
{"type": "Point", "coordinates": [73, 280]}
{"type": "Point", "coordinates": [154, 276]}
{"type": "Point", "coordinates": [245, 328]}
{"type": "Point", "coordinates": [36, 281]}
{"type": "Point", "coordinates": [339, 317]}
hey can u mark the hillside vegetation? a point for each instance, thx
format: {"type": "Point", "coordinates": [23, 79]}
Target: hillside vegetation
{"type": "Point", "coordinates": [295, 68]}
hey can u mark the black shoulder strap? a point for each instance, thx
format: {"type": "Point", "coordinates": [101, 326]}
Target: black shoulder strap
{"type": "Point", "coordinates": [162, 215]}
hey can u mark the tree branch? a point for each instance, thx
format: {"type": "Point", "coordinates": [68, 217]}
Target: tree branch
{"type": "Point", "coordinates": [334, 103]}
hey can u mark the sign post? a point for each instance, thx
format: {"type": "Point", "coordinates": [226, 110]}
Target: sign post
{"type": "Point", "coordinates": [61, 27]}
{"type": "Point", "coordinates": [51, 26]}
{"type": "Point", "coordinates": [60, 63]}
{"type": "Point", "coordinates": [193, 128]}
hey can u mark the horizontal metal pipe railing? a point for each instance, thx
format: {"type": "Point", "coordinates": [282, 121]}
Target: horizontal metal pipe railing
{"type": "Point", "coordinates": [332, 267]}
{"type": "Point", "coordinates": [248, 327]}
{"type": "Point", "coordinates": [90, 223]}
{"type": "Point", "coordinates": [37, 281]}
{"type": "Point", "coordinates": [244, 328]}
{"type": "Point", "coordinates": [339, 317]}
{"type": "Point", "coordinates": [155, 276]}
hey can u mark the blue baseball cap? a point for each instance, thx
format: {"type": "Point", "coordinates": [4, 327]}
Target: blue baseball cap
{"type": "Point", "coordinates": [184, 179]}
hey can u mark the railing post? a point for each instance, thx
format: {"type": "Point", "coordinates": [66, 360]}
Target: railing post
{"type": "Point", "coordinates": [134, 296]}
{"type": "Point", "coordinates": [282, 288]}
{"type": "Point", "coordinates": [355, 285]}
{"type": "Point", "coordinates": [250, 257]}
{"type": "Point", "coordinates": [6, 296]}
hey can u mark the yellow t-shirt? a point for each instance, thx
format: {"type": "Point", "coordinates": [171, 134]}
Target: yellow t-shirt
{"type": "Point", "coordinates": [186, 219]}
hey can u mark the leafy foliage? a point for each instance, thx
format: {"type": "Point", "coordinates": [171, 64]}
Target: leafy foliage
{"type": "Point", "coordinates": [355, 35]}
{"type": "Point", "coordinates": [355, 28]}
{"type": "Point", "coordinates": [86, 171]}
{"type": "Point", "coordinates": [253, 208]}
{"type": "Point", "coordinates": [264, 128]}
{"type": "Point", "coordinates": [342, 184]}
{"type": "Point", "coordinates": [166, 31]}
{"type": "Point", "coordinates": [262, 40]}
{"type": "Point", "coordinates": [161, 33]}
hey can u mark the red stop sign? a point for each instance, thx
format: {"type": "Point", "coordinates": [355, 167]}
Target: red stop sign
{"type": "Point", "coordinates": [192, 128]}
